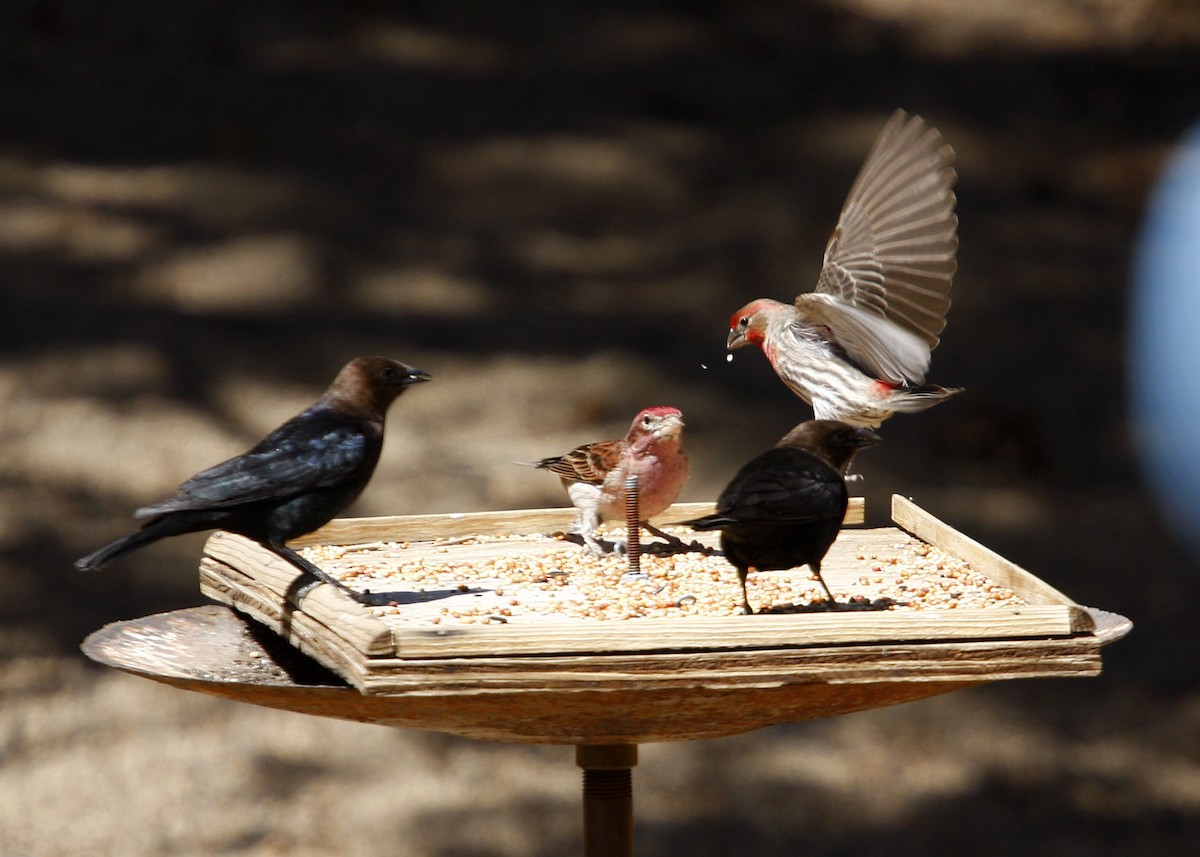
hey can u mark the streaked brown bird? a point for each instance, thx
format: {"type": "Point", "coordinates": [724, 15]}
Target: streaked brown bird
{"type": "Point", "coordinates": [294, 480]}
{"type": "Point", "coordinates": [783, 509]}
{"type": "Point", "coordinates": [857, 347]}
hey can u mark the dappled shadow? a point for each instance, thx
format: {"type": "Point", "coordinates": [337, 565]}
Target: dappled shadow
{"type": "Point", "coordinates": [553, 208]}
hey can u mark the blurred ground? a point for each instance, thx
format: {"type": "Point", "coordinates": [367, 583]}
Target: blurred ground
{"type": "Point", "coordinates": [205, 208]}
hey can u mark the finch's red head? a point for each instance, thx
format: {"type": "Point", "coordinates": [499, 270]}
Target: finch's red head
{"type": "Point", "coordinates": [748, 326]}
{"type": "Point", "coordinates": [660, 422]}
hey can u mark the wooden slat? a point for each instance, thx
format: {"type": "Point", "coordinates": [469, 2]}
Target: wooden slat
{"type": "Point", "coordinates": [913, 519]}
{"type": "Point", "coordinates": [332, 608]}
{"type": "Point", "coordinates": [761, 668]}
{"type": "Point", "coordinates": [733, 632]}
{"type": "Point", "coordinates": [221, 583]}
{"type": "Point", "coordinates": [349, 531]}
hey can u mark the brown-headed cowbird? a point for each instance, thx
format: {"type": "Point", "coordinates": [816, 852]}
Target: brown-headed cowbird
{"type": "Point", "coordinates": [857, 347]}
{"type": "Point", "coordinates": [784, 508]}
{"type": "Point", "coordinates": [594, 474]}
{"type": "Point", "coordinates": [294, 480]}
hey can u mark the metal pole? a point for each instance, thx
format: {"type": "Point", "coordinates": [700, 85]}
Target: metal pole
{"type": "Point", "coordinates": [607, 798]}
{"type": "Point", "coordinates": [633, 521]}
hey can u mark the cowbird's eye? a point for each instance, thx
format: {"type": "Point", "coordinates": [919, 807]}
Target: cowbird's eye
{"type": "Point", "coordinates": [391, 375]}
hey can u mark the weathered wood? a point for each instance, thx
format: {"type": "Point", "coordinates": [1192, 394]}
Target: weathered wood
{"type": "Point", "coordinates": [263, 577]}
{"type": "Point", "coordinates": [405, 654]}
{"type": "Point", "coordinates": [276, 578]}
{"type": "Point", "coordinates": [214, 650]}
{"type": "Point", "coordinates": [913, 519]}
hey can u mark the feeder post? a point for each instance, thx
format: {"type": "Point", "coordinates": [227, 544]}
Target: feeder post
{"type": "Point", "coordinates": [607, 798]}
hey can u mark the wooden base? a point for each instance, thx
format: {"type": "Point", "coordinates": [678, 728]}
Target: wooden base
{"type": "Point", "coordinates": [217, 651]}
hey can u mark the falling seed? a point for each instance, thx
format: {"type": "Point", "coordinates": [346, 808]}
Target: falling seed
{"type": "Point", "coordinates": [729, 357]}
{"type": "Point", "coordinates": [703, 365]}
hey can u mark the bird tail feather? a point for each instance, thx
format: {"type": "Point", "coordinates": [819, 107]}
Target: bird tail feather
{"type": "Point", "coordinates": [909, 400]}
{"type": "Point", "coordinates": [708, 522]}
{"type": "Point", "coordinates": [152, 531]}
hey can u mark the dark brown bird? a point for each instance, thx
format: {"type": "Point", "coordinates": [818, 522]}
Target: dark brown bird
{"type": "Point", "coordinates": [294, 480]}
{"type": "Point", "coordinates": [784, 508]}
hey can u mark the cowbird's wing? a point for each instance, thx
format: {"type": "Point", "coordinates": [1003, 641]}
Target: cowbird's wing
{"type": "Point", "coordinates": [783, 485]}
{"type": "Point", "coordinates": [313, 450]}
{"type": "Point", "coordinates": [589, 463]}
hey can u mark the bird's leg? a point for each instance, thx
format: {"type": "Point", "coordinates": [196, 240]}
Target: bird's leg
{"type": "Point", "coordinates": [314, 571]}
{"type": "Point", "coordinates": [672, 541]}
{"type": "Point", "coordinates": [746, 608]}
{"type": "Point", "coordinates": [816, 569]}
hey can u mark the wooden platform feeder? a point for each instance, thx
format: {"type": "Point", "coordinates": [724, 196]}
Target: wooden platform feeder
{"type": "Point", "coordinates": [464, 651]}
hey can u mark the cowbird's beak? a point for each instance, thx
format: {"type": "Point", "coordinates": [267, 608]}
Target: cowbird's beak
{"type": "Point", "coordinates": [865, 437]}
{"type": "Point", "coordinates": [415, 375]}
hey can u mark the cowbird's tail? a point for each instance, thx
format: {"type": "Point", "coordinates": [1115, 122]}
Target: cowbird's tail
{"type": "Point", "coordinates": [709, 522]}
{"type": "Point", "coordinates": [152, 531]}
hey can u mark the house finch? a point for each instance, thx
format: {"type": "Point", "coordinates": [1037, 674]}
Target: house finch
{"type": "Point", "coordinates": [594, 474]}
{"type": "Point", "coordinates": [784, 508]}
{"type": "Point", "coordinates": [297, 478]}
{"type": "Point", "coordinates": [857, 347]}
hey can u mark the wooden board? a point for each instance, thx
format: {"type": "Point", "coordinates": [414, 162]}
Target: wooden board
{"type": "Point", "coordinates": [405, 652]}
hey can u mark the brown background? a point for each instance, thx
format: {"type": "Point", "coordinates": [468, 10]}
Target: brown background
{"type": "Point", "coordinates": [206, 208]}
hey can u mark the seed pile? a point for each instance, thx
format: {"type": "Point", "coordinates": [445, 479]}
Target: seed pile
{"type": "Point", "coordinates": [539, 578]}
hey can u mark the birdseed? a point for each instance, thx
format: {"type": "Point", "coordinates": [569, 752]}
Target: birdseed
{"type": "Point", "coordinates": [524, 578]}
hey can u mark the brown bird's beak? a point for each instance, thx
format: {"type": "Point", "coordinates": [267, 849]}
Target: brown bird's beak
{"type": "Point", "coordinates": [736, 339]}
{"type": "Point", "coordinates": [415, 375]}
{"type": "Point", "coordinates": [866, 438]}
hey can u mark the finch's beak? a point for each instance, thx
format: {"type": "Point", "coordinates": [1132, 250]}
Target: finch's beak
{"type": "Point", "coordinates": [670, 428]}
{"type": "Point", "coordinates": [735, 340]}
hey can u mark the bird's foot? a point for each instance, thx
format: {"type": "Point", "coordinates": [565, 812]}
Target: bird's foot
{"type": "Point", "coordinates": [671, 543]}
{"type": "Point", "coordinates": [318, 576]}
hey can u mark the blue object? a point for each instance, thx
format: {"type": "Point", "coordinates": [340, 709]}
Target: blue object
{"type": "Point", "coordinates": [1165, 340]}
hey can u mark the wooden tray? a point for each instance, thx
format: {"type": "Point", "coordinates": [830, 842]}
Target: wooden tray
{"type": "Point", "coordinates": [1047, 635]}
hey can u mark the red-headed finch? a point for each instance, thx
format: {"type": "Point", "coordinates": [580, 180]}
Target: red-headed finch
{"type": "Point", "coordinates": [857, 347]}
{"type": "Point", "coordinates": [594, 474]}
{"type": "Point", "coordinates": [784, 508]}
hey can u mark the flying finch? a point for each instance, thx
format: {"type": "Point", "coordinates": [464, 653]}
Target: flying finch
{"type": "Point", "coordinates": [857, 347]}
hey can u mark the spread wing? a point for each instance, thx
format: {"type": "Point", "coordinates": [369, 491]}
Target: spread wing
{"type": "Point", "coordinates": [589, 463]}
{"type": "Point", "coordinates": [893, 250]}
{"type": "Point", "coordinates": [879, 346]}
{"type": "Point", "coordinates": [314, 449]}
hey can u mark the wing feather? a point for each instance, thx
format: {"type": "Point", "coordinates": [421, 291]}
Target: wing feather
{"type": "Point", "coordinates": [893, 251]}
